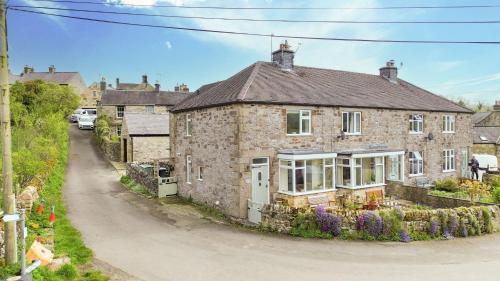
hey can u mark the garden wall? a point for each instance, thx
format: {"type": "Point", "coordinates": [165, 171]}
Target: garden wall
{"type": "Point", "coordinates": [112, 150]}
{"type": "Point", "coordinates": [420, 195]}
{"type": "Point", "coordinates": [462, 221]}
{"type": "Point", "coordinates": [139, 175]}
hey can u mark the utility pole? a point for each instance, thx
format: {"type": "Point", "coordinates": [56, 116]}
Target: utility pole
{"type": "Point", "coordinates": [9, 205]}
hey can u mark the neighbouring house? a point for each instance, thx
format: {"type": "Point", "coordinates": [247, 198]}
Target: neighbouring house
{"type": "Point", "coordinates": [280, 132]}
{"type": "Point", "coordinates": [92, 96]}
{"type": "Point", "coordinates": [145, 137]}
{"type": "Point", "coordinates": [487, 132]}
{"type": "Point", "coordinates": [143, 86]}
{"type": "Point", "coordinates": [117, 103]}
{"type": "Point", "coordinates": [71, 79]}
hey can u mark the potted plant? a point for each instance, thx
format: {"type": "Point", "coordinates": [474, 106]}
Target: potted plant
{"type": "Point", "coordinates": [372, 202]}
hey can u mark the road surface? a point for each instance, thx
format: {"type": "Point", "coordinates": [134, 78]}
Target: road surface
{"type": "Point", "coordinates": [129, 233]}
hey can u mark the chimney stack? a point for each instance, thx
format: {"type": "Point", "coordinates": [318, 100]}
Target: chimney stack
{"type": "Point", "coordinates": [496, 107]}
{"type": "Point", "coordinates": [284, 57]}
{"type": "Point", "coordinates": [27, 69]}
{"type": "Point", "coordinates": [117, 83]}
{"type": "Point", "coordinates": [144, 79]}
{"type": "Point", "coordinates": [157, 86]}
{"type": "Point", "coordinates": [52, 69]}
{"type": "Point", "coordinates": [183, 88]}
{"type": "Point", "coordinates": [389, 71]}
{"type": "Point", "coordinates": [102, 84]}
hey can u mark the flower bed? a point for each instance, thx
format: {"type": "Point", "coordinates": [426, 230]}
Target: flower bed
{"type": "Point", "coordinates": [387, 225]}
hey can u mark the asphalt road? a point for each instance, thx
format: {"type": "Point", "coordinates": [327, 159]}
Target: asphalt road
{"type": "Point", "coordinates": [129, 233]}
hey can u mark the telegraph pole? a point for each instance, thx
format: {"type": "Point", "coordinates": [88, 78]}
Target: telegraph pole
{"type": "Point", "coordinates": [9, 205]}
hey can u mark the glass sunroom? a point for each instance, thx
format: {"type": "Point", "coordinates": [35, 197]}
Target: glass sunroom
{"type": "Point", "coordinates": [306, 172]}
{"type": "Point", "coordinates": [365, 168]}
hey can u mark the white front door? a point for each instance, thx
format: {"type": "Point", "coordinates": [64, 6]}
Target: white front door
{"type": "Point", "coordinates": [260, 189]}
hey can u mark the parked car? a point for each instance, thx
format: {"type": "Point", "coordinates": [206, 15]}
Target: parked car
{"type": "Point", "coordinates": [85, 123]}
{"type": "Point", "coordinates": [486, 163]}
{"type": "Point", "coordinates": [76, 114]}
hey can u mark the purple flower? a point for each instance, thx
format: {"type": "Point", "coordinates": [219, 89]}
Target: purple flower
{"type": "Point", "coordinates": [361, 222]}
{"type": "Point", "coordinates": [405, 237]}
{"type": "Point", "coordinates": [371, 223]}
{"type": "Point", "coordinates": [433, 229]}
{"type": "Point", "coordinates": [327, 222]}
{"type": "Point", "coordinates": [447, 235]}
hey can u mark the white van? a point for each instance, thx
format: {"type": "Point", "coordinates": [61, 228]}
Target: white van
{"type": "Point", "coordinates": [486, 162]}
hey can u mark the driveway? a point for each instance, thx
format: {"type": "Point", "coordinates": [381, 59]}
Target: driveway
{"type": "Point", "coordinates": [132, 234]}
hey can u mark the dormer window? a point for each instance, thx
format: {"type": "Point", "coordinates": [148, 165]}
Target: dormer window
{"type": "Point", "coordinates": [298, 122]}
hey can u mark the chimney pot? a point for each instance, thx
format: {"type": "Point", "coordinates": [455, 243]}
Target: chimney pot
{"type": "Point", "coordinates": [52, 69]}
{"type": "Point", "coordinates": [496, 106]}
{"type": "Point", "coordinates": [144, 79]}
{"type": "Point", "coordinates": [117, 83]}
{"type": "Point", "coordinates": [157, 86]}
{"type": "Point", "coordinates": [284, 56]}
{"type": "Point", "coordinates": [389, 71]}
{"type": "Point", "coordinates": [27, 69]}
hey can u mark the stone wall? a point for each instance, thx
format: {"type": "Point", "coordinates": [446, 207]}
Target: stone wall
{"type": "Point", "coordinates": [492, 120]}
{"type": "Point", "coordinates": [213, 145]}
{"type": "Point", "coordinates": [420, 195]}
{"type": "Point", "coordinates": [281, 218]}
{"type": "Point", "coordinates": [146, 149]}
{"type": "Point", "coordinates": [112, 150]}
{"type": "Point", "coordinates": [139, 175]}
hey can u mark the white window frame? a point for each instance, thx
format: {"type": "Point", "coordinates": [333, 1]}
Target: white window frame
{"type": "Point", "coordinates": [200, 173]}
{"type": "Point", "coordinates": [448, 124]}
{"type": "Point", "coordinates": [399, 164]}
{"type": "Point", "coordinates": [118, 111]}
{"type": "Point", "coordinates": [356, 130]}
{"type": "Point", "coordinates": [306, 158]}
{"type": "Point", "coordinates": [449, 160]}
{"type": "Point", "coordinates": [418, 160]}
{"type": "Point", "coordinates": [189, 125]}
{"type": "Point", "coordinates": [149, 109]}
{"type": "Point", "coordinates": [353, 166]}
{"type": "Point", "coordinates": [189, 169]}
{"type": "Point", "coordinates": [416, 121]}
{"type": "Point", "coordinates": [302, 117]}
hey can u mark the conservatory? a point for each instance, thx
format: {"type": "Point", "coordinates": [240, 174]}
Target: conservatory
{"type": "Point", "coordinates": [358, 169]}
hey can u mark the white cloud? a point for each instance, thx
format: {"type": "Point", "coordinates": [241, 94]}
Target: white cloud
{"type": "Point", "coordinates": [168, 45]}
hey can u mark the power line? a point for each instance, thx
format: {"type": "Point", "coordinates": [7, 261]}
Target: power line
{"type": "Point", "coordinates": [484, 6]}
{"type": "Point", "coordinates": [254, 19]}
{"type": "Point", "coordinates": [260, 34]}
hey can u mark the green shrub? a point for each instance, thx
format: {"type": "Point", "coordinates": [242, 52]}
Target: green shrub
{"type": "Point", "coordinates": [94, 276]}
{"type": "Point", "coordinates": [488, 224]}
{"type": "Point", "coordinates": [305, 225]}
{"type": "Point", "coordinates": [67, 272]}
{"type": "Point", "coordinates": [125, 180]}
{"type": "Point", "coordinates": [495, 194]}
{"type": "Point", "coordinates": [447, 184]}
{"type": "Point", "coordinates": [392, 225]}
{"type": "Point", "coordinates": [494, 181]}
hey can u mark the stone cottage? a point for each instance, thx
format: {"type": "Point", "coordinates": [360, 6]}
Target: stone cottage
{"type": "Point", "coordinates": [487, 132]}
{"type": "Point", "coordinates": [277, 131]}
{"type": "Point", "coordinates": [117, 103]}
{"type": "Point", "coordinates": [145, 137]}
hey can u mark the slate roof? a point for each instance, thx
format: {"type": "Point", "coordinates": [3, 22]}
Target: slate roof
{"type": "Point", "coordinates": [56, 77]}
{"type": "Point", "coordinates": [119, 97]}
{"type": "Point", "coordinates": [146, 124]}
{"type": "Point", "coordinates": [264, 82]}
{"type": "Point", "coordinates": [479, 116]}
{"type": "Point", "coordinates": [492, 134]}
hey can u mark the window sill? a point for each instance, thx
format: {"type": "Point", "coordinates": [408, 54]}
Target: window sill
{"type": "Point", "coordinates": [416, 133]}
{"type": "Point", "coordinates": [362, 186]}
{"type": "Point", "coordinates": [298, 135]}
{"type": "Point", "coordinates": [200, 179]}
{"type": "Point", "coordinates": [448, 132]}
{"type": "Point", "coordinates": [353, 134]}
{"type": "Point", "coordinates": [305, 193]}
{"type": "Point", "coordinates": [415, 175]}
{"type": "Point", "coordinates": [188, 182]}
{"type": "Point", "coordinates": [449, 171]}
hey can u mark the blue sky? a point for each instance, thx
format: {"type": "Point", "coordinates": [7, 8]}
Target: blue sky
{"type": "Point", "coordinates": [468, 71]}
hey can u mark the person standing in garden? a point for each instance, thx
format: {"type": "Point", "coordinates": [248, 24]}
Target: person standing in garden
{"type": "Point", "coordinates": [474, 167]}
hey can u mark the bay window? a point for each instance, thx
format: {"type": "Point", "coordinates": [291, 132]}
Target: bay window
{"type": "Point", "coordinates": [416, 123]}
{"type": "Point", "coordinates": [302, 176]}
{"type": "Point", "coordinates": [351, 123]}
{"type": "Point", "coordinates": [298, 122]}
{"type": "Point", "coordinates": [448, 160]}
